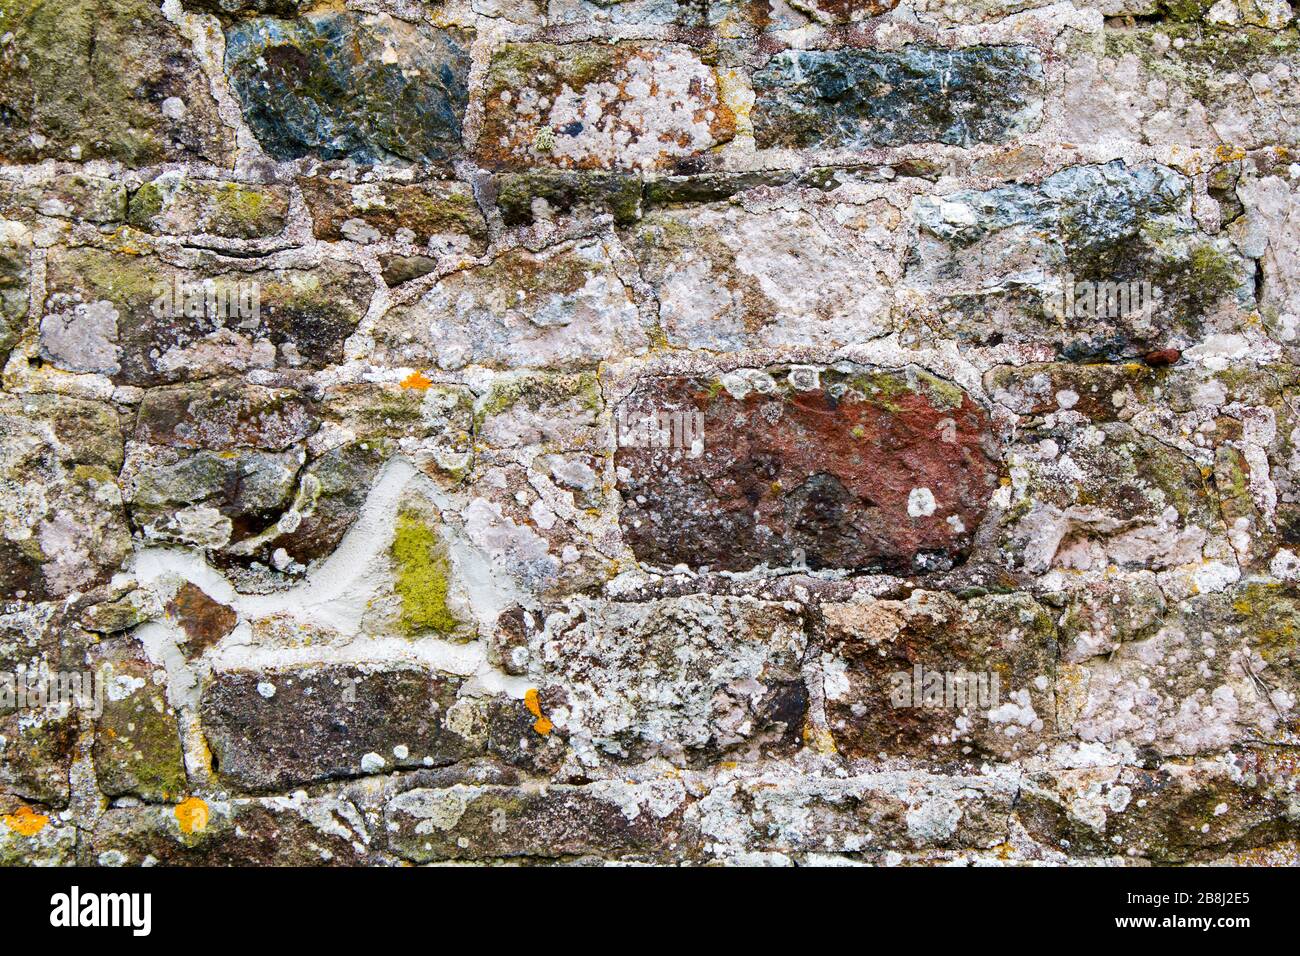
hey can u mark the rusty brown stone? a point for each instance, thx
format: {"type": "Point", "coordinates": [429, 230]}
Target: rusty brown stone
{"type": "Point", "coordinates": [204, 620]}
{"type": "Point", "coordinates": [1162, 357]}
{"type": "Point", "coordinates": [868, 469]}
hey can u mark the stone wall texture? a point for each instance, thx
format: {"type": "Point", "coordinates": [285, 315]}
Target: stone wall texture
{"type": "Point", "coordinates": [671, 431]}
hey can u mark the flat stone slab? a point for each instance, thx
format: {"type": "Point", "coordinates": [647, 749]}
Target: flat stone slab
{"type": "Point", "coordinates": [868, 469]}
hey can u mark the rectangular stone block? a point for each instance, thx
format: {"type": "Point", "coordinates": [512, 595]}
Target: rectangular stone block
{"type": "Point", "coordinates": [601, 106]}
{"type": "Point", "coordinates": [874, 469]}
{"type": "Point", "coordinates": [603, 819]}
{"type": "Point", "coordinates": [859, 99]}
{"type": "Point", "coordinates": [275, 729]}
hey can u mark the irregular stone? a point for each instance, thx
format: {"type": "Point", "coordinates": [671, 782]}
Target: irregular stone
{"type": "Point", "coordinates": [540, 409]}
{"type": "Point", "coordinates": [729, 278]}
{"type": "Point", "coordinates": [344, 721]}
{"type": "Point", "coordinates": [938, 679]}
{"type": "Point", "coordinates": [176, 205]}
{"type": "Point", "coordinates": [40, 654]}
{"type": "Point", "coordinates": [15, 293]}
{"type": "Point", "coordinates": [713, 187]}
{"type": "Point", "coordinates": [82, 339]}
{"type": "Point", "coordinates": [661, 12]}
{"type": "Point", "coordinates": [204, 621]}
{"type": "Point", "coordinates": [524, 197]}
{"type": "Point", "coordinates": [276, 831]}
{"type": "Point", "coordinates": [431, 421]}
{"type": "Point", "coordinates": [36, 757]}
{"type": "Point", "coordinates": [606, 818]}
{"type": "Point", "coordinates": [520, 733]}
{"type": "Point", "coordinates": [34, 836]}
{"type": "Point", "coordinates": [224, 415]}
{"type": "Point", "coordinates": [843, 11]}
{"type": "Point", "coordinates": [633, 694]}
{"type": "Point", "coordinates": [137, 746]}
{"type": "Point", "coordinates": [600, 106]}
{"type": "Point", "coordinates": [400, 269]}
{"type": "Point", "coordinates": [508, 642]}
{"type": "Point", "coordinates": [96, 199]}
{"type": "Point", "coordinates": [566, 306]}
{"type": "Point", "coordinates": [1178, 812]}
{"type": "Point", "coordinates": [64, 529]}
{"type": "Point", "coordinates": [1037, 255]}
{"type": "Point", "coordinates": [1104, 614]}
{"type": "Point", "coordinates": [103, 79]}
{"type": "Point", "coordinates": [132, 608]}
{"type": "Point", "coordinates": [1269, 232]}
{"type": "Point", "coordinates": [868, 813]}
{"type": "Point", "coordinates": [870, 469]}
{"type": "Point", "coordinates": [1106, 495]}
{"type": "Point", "coordinates": [175, 324]}
{"type": "Point", "coordinates": [441, 216]}
{"type": "Point", "coordinates": [241, 491]}
{"type": "Point", "coordinates": [351, 86]}
{"type": "Point", "coordinates": [1101, 393]}
{"type": "Point", "coordinates": [1218, 673]}
{"type": "Point", "coordinates": [864, 98]}
{"type": "Point", "coordinates": [328, 500]}
{"type": "Point", "coordinates": [1182, 83]}
{"type": "Point", "coordinates": [505, 522]}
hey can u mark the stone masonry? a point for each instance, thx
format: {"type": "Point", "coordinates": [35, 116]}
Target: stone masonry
{"type": "Point", "coordinates": [672, 431]}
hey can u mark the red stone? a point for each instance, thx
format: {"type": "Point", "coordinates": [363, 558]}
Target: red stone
{"type": "Point", "coordinates": [825, 475]}
{"type": "Point", "coordinates": [1162, 357]}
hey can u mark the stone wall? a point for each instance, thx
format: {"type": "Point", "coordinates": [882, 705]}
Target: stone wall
{"type": "Point", "coordinates": [682, 431]}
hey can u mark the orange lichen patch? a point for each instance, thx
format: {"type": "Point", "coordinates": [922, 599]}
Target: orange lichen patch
{"type": "Point", "coordinates": [26, 821]}
{"type": "Point", "coordinates": [418, 381]}
{"type": "Point", "coordinates": [192, 815]}
{"type": "Point", "coordinates": [532, 703]}
{"type": "Point", "coordinates": [543, 724]}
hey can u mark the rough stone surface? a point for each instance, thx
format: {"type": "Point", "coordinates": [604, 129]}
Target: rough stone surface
{"type": "Point", "coordinates": [146, 322]}
{"type": "Point", "coordinates": [103, 79]}
{"type": "Point", "coordinates": [575, 432]}
{"type": "Point", "coordinates": [346, 722]}
{"type": "Point", "coordinates": [567, 306]}
{"type": "Point", "coordinates": [871, 469]}
{"type": "Point", "coordinates": [862, 98]}
{"type": "Point", "coordinates": [601, 106]}
{"type": "Point", "coordinates": [344, 85]}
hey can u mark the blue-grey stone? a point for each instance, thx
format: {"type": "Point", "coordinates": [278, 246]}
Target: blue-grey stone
{"type": "Point", "coordinates": [869, 98]}
{"type": "Point", "coordinates": [348, 86]}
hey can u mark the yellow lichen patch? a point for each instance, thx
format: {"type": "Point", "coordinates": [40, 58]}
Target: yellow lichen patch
{"type": "Point", "coordinates": [819, 740]}
{"type": "Point", "coordinates": [26, 821]}
{"type": "Point", "coordinates": [422, 569]}
{"type": "Point", "coordinates": [418, 381]}
{"type": "Point", "coordinates": [192, 815]}
{"type": "Point", "coordinates": [543, 724]}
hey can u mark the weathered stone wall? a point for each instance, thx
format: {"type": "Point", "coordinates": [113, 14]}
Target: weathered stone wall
{"type": "Point", "coordinates": [592, 413]}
